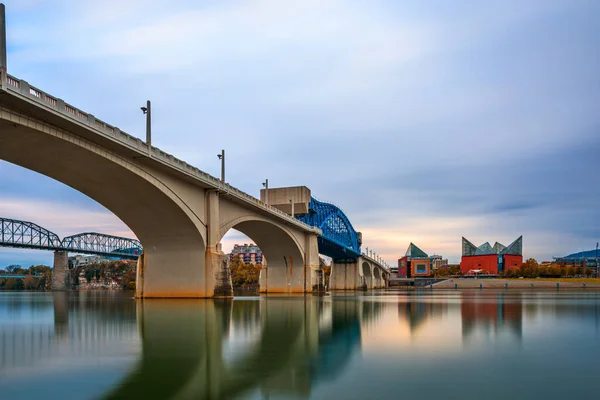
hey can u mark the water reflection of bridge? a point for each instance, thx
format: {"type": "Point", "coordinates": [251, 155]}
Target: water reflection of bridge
{"type": "Point", "coordinates": [96, 330]}
{"type": "Point", "coordinates": [295, 343]}
{"type": "Point", "coordinates": [198, 348]}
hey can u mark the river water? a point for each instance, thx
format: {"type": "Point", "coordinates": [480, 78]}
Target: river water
{"type": "Point", "coordinates": [381, 345]}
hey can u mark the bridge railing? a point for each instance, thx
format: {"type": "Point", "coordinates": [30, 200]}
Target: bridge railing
{"type": "Point", "coordinates": [91, 122]}
{"type": "Point", "coordinates": [365, 255]}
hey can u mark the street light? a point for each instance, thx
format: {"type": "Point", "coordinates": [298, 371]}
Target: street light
{"type": "Point", "coordinates": [292, 203]}
{"type": "Point", "coordinates": [222, 158]}
{"type": "Point", "coordinates": [266, 186]}
{"type": "Point", "coordinates": [148, 111]}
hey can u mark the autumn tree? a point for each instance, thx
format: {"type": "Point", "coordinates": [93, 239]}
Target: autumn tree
{"type": "Point", "coordinates": [244, 275]}
{"type": "Point", "coordinates": [30, 283]}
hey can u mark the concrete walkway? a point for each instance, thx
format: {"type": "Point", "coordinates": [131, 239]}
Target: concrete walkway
{"type": "Point", "coordinates": [471, 283]}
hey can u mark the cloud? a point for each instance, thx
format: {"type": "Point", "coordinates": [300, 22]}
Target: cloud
{"type": "Point", "coordinates": [62, 219]}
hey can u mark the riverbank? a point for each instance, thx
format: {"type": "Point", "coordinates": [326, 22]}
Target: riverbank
{"type": "Point", "coordinates": [536, 283]}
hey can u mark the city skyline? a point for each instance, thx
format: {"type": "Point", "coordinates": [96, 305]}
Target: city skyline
{"type": "Point", "coordinates": [425, 124]}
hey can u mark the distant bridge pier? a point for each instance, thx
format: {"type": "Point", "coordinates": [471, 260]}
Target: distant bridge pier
{"type": "Point", "coordinates": [360, 274]}
{"type": "Point", "coordinates": [60, 271]}
{"type": "Point", "coordinates": [344, 275]}
{"type": "Point", "coordinates": [294, 274]}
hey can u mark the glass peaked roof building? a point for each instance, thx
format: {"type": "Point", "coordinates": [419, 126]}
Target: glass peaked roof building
{"type": "Point", "coordinates": [414, 252]}
{"type": "Point", "coordinates": [488, 259]}
{"type": "Point", "coordinates": [515, 248]}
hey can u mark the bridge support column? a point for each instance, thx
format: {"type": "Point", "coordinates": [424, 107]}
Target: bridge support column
{"type": "Point", "coordinates": [344, 276]}
{"type": "Point", "coordinates": [287, 276]}
{"type": "Point", "coordinates": [312, 267]}
{"type": "Point", "coordinates": [365, 272]}
{"type": "Point", "coordinates": [217, 264]}
{"type": "Point", "coordinates": [221, 273]}
{"type": "Point", "coordinates": [139, 276]}
{"type": "Point", "coordinates": [60, 271]}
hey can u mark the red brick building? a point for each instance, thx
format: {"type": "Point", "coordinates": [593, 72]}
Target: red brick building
{"type": "Point", "coordinates": [486, 259]}
{"type": "Point", "coordinates": [415, 263]}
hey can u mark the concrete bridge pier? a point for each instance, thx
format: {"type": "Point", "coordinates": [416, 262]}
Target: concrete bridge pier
{"type": "Point", "coordinates": [344, 276]}
{"type": "Point", "coordinates": [217, 263]}
{"type": "Point", "coordinates": [300, 273]}
{"type": "Point", "coordinates": [366, 273]}
{"type": "Point", "coordinates": [60, 271]}
{"type": "Point", "coordinates": [312, 266]}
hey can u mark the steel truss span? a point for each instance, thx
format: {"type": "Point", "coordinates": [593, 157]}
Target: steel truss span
{"type": "Point", "coordinates": [27, 235]}
{"type": "Point", "coordinates": [339, 240]}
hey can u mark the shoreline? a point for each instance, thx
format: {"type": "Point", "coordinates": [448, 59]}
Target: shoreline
{"type": "Point", "coordinates": [532, 283]}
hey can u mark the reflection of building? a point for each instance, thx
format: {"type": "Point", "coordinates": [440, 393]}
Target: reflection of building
{"type": "Point", "coordinates": [249, 253]}
{"type": "Point", "coordinates": [496, 314]}
{"type": "Point", "coordinates": [490, 260]}
{"type": "Point", "coordinates": [417, 263]}
{"type": "Point", "coordinates": [416, 313]}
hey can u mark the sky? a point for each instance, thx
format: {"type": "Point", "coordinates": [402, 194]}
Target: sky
{"type": "Point", "coordinates": [424, 121]}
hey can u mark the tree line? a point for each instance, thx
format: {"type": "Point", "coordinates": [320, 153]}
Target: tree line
{"type": "Point", "coordinates": [532, 269]}
{"type": "Point", "coordinates": [529, 269]}
{"type": "Point", "coordinates": [37, 277]}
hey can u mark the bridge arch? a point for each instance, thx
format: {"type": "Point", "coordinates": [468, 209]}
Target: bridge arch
{"type": "Point", "coordinates": [339, 240]}
{"type": "Point", "coordinates": [171, 232]}
{"type": "Point", "coordinates": [283, 255]}
{"type": "Point", "coordinates": [376, 277]}
{"type": "Point", "coordinates": [366, 273]}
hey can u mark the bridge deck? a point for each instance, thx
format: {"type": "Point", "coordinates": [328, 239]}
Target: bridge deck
{"type": "Point", "coordinates": [28, 100]}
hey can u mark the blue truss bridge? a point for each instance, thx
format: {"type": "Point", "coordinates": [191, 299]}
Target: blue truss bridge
{"type": "Point", "coordinates": [27, 235]}
{"type": "Point", "coordinates": [340, 240]}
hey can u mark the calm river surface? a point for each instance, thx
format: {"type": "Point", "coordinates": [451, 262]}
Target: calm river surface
{"type": "Point", "coordinates": [384, 345]}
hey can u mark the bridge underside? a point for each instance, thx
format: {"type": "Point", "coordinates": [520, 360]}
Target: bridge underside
{"type": "Point", "coordinates": [334, 250]}
{"type": "Point", "coordinates": [174, 246]}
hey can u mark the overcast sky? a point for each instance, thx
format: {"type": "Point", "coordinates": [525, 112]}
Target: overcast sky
{"type": "Point", "coordinates": [424, 121]}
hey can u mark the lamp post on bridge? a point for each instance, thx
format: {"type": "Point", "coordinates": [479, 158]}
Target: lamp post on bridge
{"type": "Point", "coordinates": [3, 66]}
{"type": "Point", "coordinates": [147, 110]}
{"type": "Point", "coordinates": [222, 158]}
{"type": "Point", "coordinates": [266, 186]}
{"type": "Point", "coordinates": [292, 203]}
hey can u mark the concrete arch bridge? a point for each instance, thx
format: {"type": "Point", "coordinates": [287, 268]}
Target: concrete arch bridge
{"type": "Point", "coordinates": [178, 212]}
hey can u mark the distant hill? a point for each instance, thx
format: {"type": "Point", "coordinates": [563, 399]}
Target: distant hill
{"type": "Point", "coordinates": [584, 254]}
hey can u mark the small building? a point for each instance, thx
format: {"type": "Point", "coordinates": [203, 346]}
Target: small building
{"type": "Point", "coordinates": [438, 261]}
{"type": "Point", "coordinates": [80, 260]}
{"type": "Point", "coordinates": [490, 260]}
{"type": "Point", "coordinates": [416, 263]}
{"type": "Point", "coordinates": [249, 253]}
